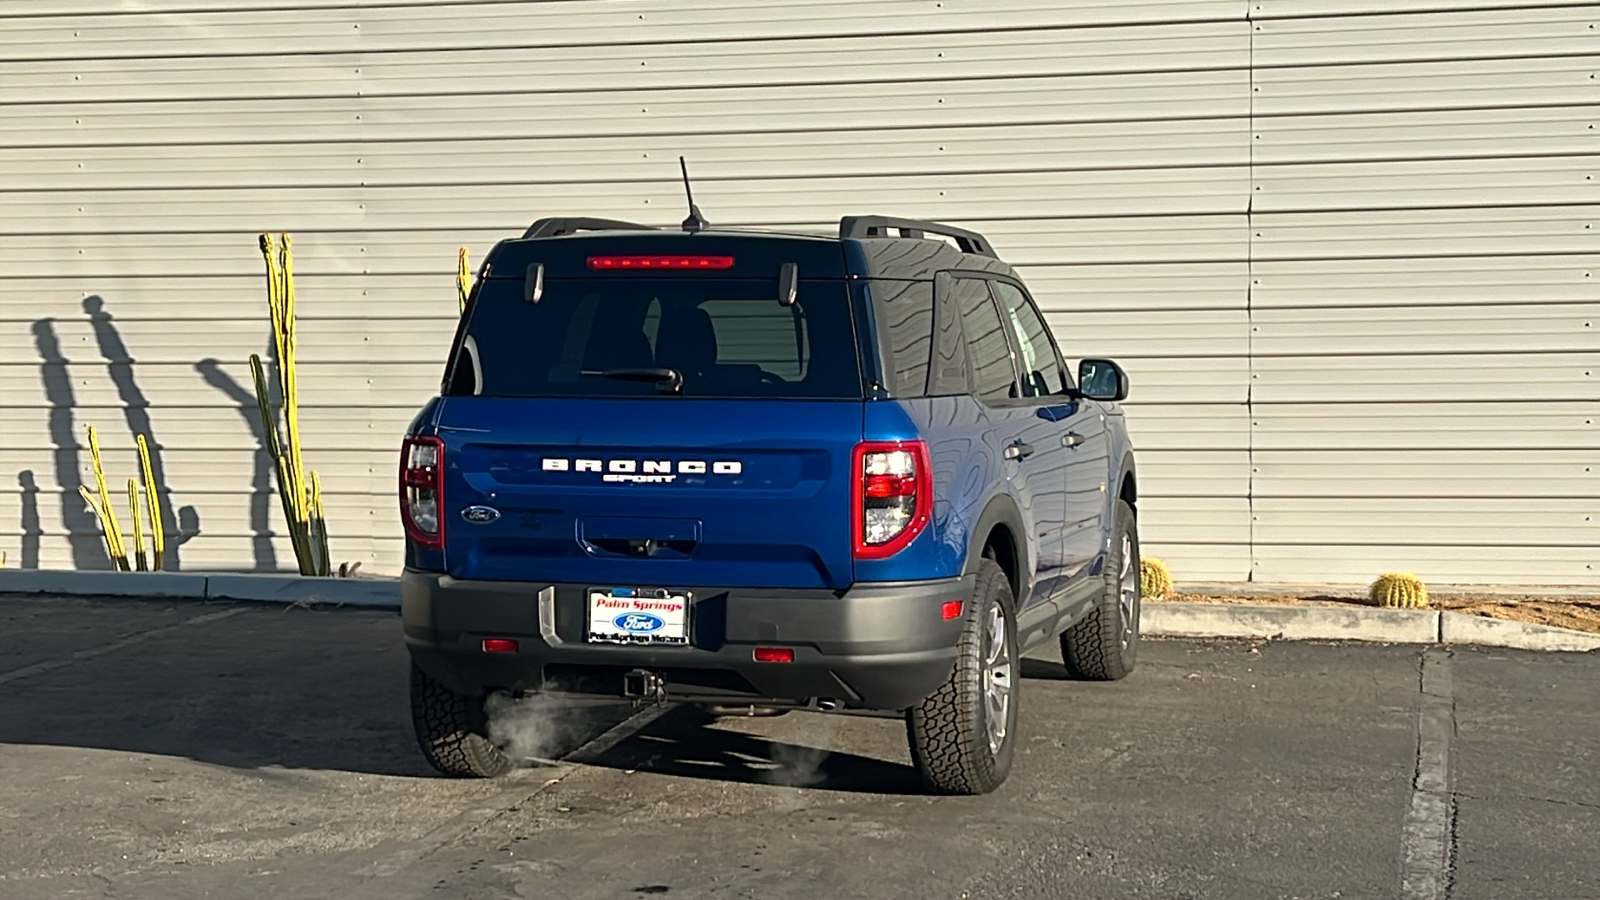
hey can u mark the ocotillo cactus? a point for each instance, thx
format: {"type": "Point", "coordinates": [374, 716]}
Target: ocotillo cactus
{"type": "Point", "coordinates": [158, 533]}
{"type": "Point", "coordinates": [463, 277]}
{"type": "Point", "coordinates": [1399, 589]}
{"type": "Point", "coordinates": [138, 526]}
{"type": "Point", "coordinates": [100, 503]}
{"type": "Point", "coordinates": [1155, 580]}
{"type": "Point", "coordinates": [306, 530]}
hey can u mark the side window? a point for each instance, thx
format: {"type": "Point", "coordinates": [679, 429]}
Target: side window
{"type": "Point", "coordinates": [1041, 369]}
{"type": "Point", "coordinates": [993, 377]}
{"type": "Point", "coordinates": [903, 312]}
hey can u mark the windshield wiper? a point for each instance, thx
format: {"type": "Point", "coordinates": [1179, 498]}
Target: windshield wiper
{"type": "Point", "coordinates": [668, 381]}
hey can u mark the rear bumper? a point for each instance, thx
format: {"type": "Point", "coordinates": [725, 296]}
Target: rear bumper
{"type": "Point", "coordinates": [881, 646]}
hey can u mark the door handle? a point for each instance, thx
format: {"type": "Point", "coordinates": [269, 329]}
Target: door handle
{"type": "Point", "coordinates": [1019, 450]}
{"type": "Point", "coordinates": [1071, 439]}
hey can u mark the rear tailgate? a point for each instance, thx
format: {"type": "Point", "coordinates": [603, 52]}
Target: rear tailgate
{"type": "Point", "coordinates": [658, 492]}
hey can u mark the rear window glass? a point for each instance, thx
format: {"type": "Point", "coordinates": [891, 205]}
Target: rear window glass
{"type": "Point", "coordinates": [648, 337]}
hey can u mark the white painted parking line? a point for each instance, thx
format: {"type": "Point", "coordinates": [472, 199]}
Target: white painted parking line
{"type": "Point", "coordinates": [1429, 836]}
{"type": "Point", "coordinates": [103, 649]}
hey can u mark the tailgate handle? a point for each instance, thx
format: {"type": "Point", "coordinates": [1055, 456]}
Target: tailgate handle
{"type": "Point", "coordinates": [639, 548]}
{"type": "Point", "coordinates": [639, 538]}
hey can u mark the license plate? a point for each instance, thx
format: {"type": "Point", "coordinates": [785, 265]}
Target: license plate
{"type": "Point", "coordinates": [638, 616]}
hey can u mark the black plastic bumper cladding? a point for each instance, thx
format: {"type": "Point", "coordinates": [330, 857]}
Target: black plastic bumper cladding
{"type": "Point", "coordinates": [875, 646]}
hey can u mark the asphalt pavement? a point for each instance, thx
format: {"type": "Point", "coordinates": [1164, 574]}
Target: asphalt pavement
{"type": "Point", "coordinates": [177, 750]}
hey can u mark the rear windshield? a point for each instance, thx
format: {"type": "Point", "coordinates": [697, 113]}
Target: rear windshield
{"type": "Point", "coordinates": [687, 336]}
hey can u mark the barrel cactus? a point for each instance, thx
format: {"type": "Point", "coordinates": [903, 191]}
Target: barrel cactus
{"type": "Point", "coordinates": [1400, 590]}
{"type": "Point", "coordinates": [1155, 580]}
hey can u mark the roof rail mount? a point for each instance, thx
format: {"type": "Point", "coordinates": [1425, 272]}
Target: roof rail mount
{"type": "Point", "coordinates": [880, 226]}
{"type": "Point", "coordinates": [555, 227]}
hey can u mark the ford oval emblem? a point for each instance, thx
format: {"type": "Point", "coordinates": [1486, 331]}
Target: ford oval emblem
{"type": "Point", "coordinates": [638, 623]}
{"type": "Point", "coordinates": [481, 515]}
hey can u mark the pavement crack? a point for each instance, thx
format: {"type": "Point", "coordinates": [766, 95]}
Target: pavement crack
{"type": "Point", "coordinates": [1428, 844]}
{"type": "Point", "coordinates": [1530, 797]}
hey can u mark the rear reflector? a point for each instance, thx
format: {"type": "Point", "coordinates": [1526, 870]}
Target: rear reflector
{"type": "Point", "coordinates": [499, 645]}
{"type": "Point", "coordinates": [775, 654]}
{"type": "Point", "coordinates": [951, 610]}
{"type": "Point", "coordinates": [660, 262]}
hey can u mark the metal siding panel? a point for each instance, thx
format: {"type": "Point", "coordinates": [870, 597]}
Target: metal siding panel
{"type": "Point", "coordinates": [930, 150]}
{"type": "Point", "coordinates": [1186, 426]}
{"type": "Point", "coordinates": [1398, 474]}
{"type": "Point", "coordinates": [1296, 9]}
{"type": "Point", "coordinates": [1435, 564]}
{"type": "Point", "coordinates": [1417, 86]}
{"type": "Point", "coordinates": [640, 113]}
{"type": "Point", "coordinates": [392, 27]}
{"type": "Point", "coordinates": [1194, 473]}
{"type": "Point", "coordinates": [1426, 134]}
{"type": "Point", "coordinates": [1523, 231]}
{"type": "Point", "coordinates": [481, 70]}
{"type": "Point", "coordinates": [1012, 194]}
{"type": "Point", "coordinates": [1423, 280]}
{"type": "Point", "coordinates": [1425, 377]}
{"type": "Point", "coordinates": [1432, 522]}
{"type": "Point", "coordinates": [1403, 423]}
{"type": "Point", "coordinates": [1418, 37]}
{"type": "Point", "coordinates": [1487, 329]}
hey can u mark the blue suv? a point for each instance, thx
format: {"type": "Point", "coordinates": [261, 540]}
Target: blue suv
{"type": "Point", "coordinates": [779, 471]}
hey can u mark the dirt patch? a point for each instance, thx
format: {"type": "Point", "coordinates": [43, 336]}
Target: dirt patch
{"type": "Point", "coordinates": [1579, 615]}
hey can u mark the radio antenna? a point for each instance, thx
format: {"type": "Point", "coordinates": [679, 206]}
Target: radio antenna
{"type": "Point", "coordinates": [695, 222]}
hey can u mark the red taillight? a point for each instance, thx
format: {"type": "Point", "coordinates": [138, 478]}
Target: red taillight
{"type": "Point", "coordinates": [660, 262]}
{"type": "Point", "coordinates": [951, 610]}
{"type": "Point", "coordinates": [499, 645]}
{"type": "Point", "coordinates": [775, 654]}
{"type": "Point", "coordinates": [422, 490]}
{"type": "Point", "coordinates": [893, 496]}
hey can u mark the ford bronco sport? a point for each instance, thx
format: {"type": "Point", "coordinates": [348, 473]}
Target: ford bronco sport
{"type": "Point", "coordinates": [798, 471]}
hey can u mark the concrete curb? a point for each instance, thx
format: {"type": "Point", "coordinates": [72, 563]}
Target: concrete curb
{"type": "Point", "coordinates": [376, 592]}
{"type": "Point", "coordinates": [1441, 591]}
{"type": "Point", "coordinates": [1333, 623]}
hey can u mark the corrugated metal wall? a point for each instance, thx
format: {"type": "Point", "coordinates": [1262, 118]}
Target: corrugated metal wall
{"type": "Point", "coordinates": [1343, 246]}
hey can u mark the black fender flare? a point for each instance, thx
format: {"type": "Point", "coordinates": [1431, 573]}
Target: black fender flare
{"type": "Point", "coordinates": [1001, 510]}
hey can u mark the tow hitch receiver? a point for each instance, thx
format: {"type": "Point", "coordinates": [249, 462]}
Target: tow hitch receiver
{"type": "Point", "coordinates": [643, 686]}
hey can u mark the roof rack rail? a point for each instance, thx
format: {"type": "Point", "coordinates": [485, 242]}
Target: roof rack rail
{"type": "Point", "coordinates": [557, 226]}
{"type": "Point", "coordinates": [879, 226]}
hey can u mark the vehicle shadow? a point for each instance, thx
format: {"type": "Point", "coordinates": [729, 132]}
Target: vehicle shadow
{"type": "Point", "coordinates": [255, 687]}
{"type": "Point", "coordinates": [685, 742]}
{"type": "Point", "coordinates": [1044, 670]}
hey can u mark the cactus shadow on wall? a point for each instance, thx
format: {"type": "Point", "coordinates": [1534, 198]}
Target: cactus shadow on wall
{"type": "Point", "coordinates": [83, 534]}
{"type": "Point", "coordinates": [266, 558]}
{"type": "Point", "coordinates": [136, 410]}
{"type": "Point", "coordinates": [82, 530]}
{"type": "Point", "coordinates": [32, 531]}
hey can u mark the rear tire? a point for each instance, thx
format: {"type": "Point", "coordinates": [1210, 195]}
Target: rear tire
{"type": "Point", "coordinates": [453, 730]}
{"type": "Point", "coordinates": [964, 735]}
{"type": "Point", "coordinates": [1104, 645]}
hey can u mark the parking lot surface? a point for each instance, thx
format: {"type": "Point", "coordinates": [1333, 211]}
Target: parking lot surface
{"type": "Point", "coordinates": [176, 750]}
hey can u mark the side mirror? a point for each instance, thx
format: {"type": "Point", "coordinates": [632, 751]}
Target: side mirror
{"type": "Point", "coordinates": [1102, 379]}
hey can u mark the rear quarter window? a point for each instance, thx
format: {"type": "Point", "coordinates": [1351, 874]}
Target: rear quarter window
{"type": "Point", "coordinates": [903, 314]}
